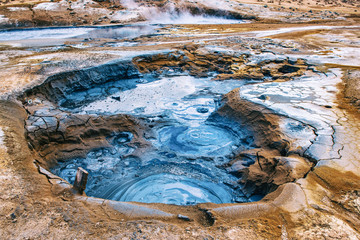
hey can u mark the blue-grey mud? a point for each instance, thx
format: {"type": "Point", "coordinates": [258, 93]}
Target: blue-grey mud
{"type": "Point", "coordinates": [190, 145]}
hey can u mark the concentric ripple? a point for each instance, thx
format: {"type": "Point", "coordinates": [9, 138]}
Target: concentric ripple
{"type": "Point", "coordinates": [169, 189]}
{"type": "Point", "coordinates": [204, 140]}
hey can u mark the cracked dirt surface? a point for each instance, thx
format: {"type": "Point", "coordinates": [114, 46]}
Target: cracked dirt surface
{"type": "Point", "coordinates": [305, 116]}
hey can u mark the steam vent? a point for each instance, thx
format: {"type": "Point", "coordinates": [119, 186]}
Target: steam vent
{"type": "Point", "coordinates": [226, 119]}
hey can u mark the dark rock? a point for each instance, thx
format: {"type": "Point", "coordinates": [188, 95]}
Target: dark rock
{"type": "Point", "coordinates": [288, 69]}
{"type": "Point", "coordinates": [263, 97]}
{"type": "Point", "coordinates": [12, 216]}
{"type": "Point", "coordinates": [116, 98]}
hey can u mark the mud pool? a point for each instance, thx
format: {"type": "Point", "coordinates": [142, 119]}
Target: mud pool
{"type": "Point", "coordinates": [190, 144]}
{"type": "Point", "coordinates": [187, 158]}
{"type": "Point", "coordinates": [189, 147]}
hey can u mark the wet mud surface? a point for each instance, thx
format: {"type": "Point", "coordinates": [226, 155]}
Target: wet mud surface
{"type": "Point", "coordinates": [186, 148]}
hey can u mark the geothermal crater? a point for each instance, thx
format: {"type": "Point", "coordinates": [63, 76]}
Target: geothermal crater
{"type": "Point", "coordinates": [154, 136]}
{"type": "Point", "coordinates": [179, 158]}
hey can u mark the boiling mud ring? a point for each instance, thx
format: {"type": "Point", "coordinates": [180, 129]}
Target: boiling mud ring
{"type": "Point", "coordinates": [58, 135]}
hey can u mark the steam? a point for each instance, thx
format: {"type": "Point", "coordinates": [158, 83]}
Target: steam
{"type": "Point", "coordinates": [130, 4]}
{"type": "Point", "coordinates": [172, 13]}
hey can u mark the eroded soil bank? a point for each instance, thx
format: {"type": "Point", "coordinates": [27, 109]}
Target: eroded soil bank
{"type": "Point", "coordinates": [289, 96]}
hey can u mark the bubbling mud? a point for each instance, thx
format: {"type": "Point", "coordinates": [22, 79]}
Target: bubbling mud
{"type": "Point", "coordinates": [169, 189]}
{"type": "Point", "coordinates": [161, 175]}
{"type": "Point", "coordinates": [190, 144]}
{"type": "Point", "coordinates": [203, 140]}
